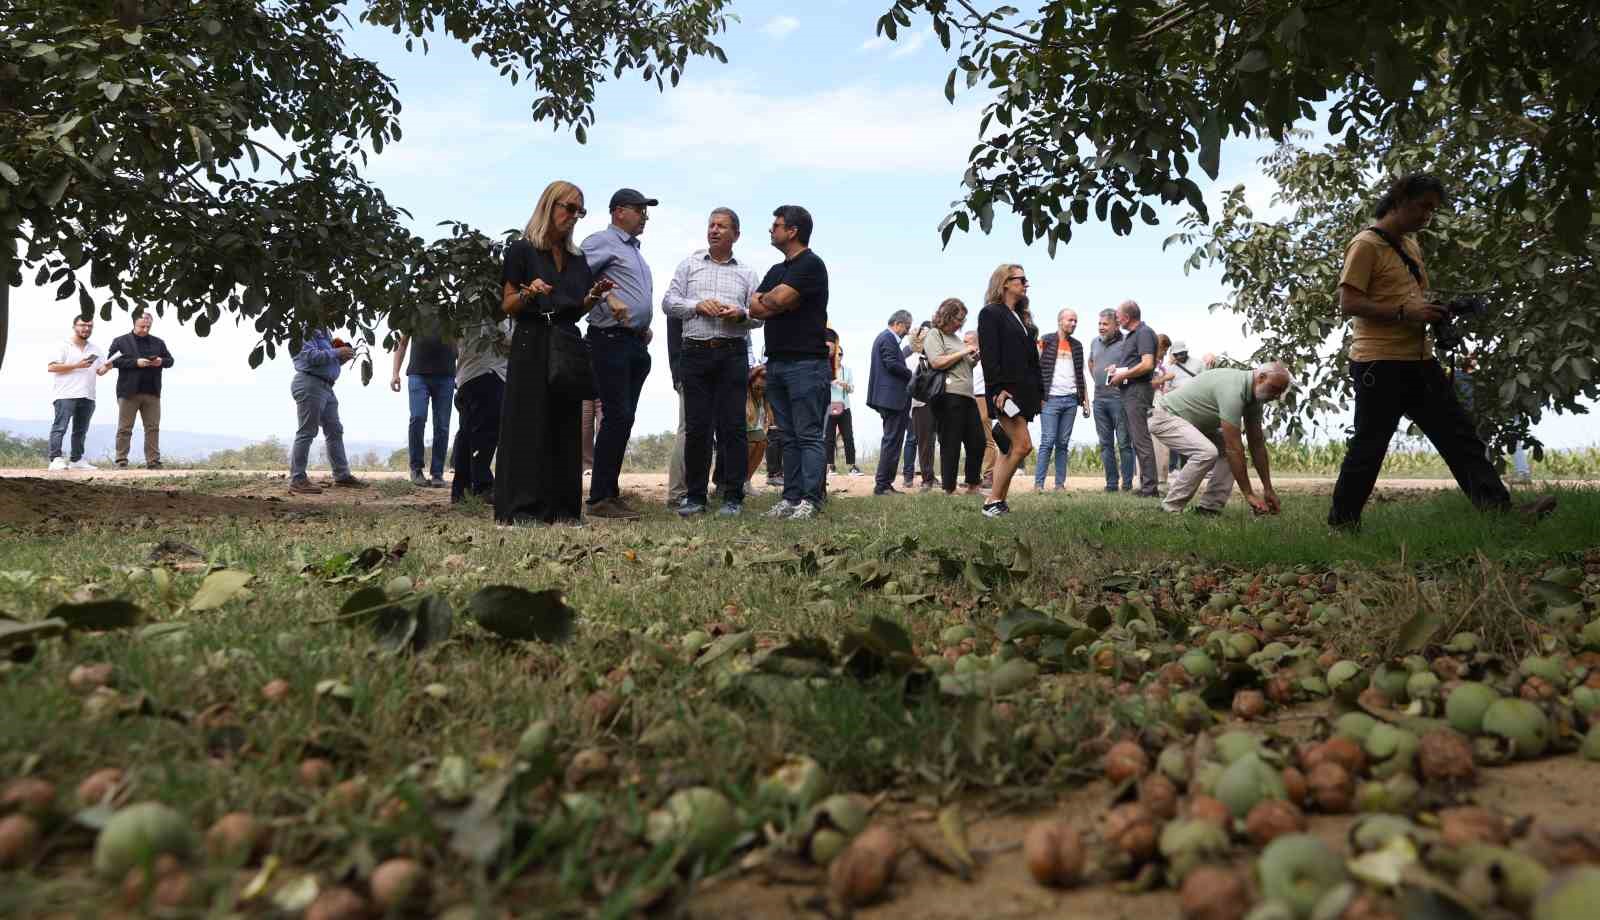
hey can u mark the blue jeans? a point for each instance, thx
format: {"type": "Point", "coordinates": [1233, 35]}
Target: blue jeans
{"type": "Point", "coordinates": [621, 362]}
{"type": "Point", "coordinates": [1055, 435]}
{"type": "Point", "coordinates": [798, 390]}
{"type": "Point", "coordinates": [440, 388]}
{"type": "Point", "coordinates": [316, 407]}
{"type": "Point", "coordinates": [1111, 425]}
{"type": "Point", "coordinates": [77, 411]}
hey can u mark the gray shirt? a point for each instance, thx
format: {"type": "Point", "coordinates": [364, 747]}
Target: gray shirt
{"type": "Point", "coordinates": [701, 277]}
{"type": "Point", "coordinates": [483, 349]}
{"type": "Point", "coordinates": [1103, 356]}
{"type": "Point", "coordinates": [613, 254]}
{"type": "Point", "coordinates": [958, 376]}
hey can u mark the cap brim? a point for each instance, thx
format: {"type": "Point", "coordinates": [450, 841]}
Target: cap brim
{"type": "Point", "coordinates": [650, 202]}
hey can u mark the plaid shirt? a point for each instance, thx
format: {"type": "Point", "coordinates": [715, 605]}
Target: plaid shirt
{"type": "Point", "coordinates": [700, 277]}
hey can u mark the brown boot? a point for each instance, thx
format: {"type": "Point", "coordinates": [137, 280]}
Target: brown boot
{"type": "Point", "coordinates": [304, 487]}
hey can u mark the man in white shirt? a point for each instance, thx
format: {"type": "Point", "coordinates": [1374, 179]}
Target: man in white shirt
{"type": "Point", "coordinates": [75, 365]}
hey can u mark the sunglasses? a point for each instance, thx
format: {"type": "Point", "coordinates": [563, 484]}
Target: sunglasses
{"type": "Point", "coordinates": [572, 208]}
{"type": "Point", "coordinates": [1021, 278]}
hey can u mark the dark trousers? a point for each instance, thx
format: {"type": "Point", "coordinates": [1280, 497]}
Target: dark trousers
{"type": "Point", "coordinates": [959, 427]}
{"type": "Point", "coordinates": [774, 454]}
{"type": "Point", "coordinates": [1137, 399]}
{"type": "Point", "coordinates": [837, 426]}
{"type": "Point", "coordinates": [714, 382]}
{"type": "Point", "coordinates": [77, 412]}
{"type": "Point", "coordinates": [895, 423]}
{"type": "Point", "coordinates": [1388, 390]}
{"type": "Point", "coordinates": [621, 363]}
{"type": "Point", "coordinates": [919, 444]}
{"type": "Point", "coordinates": [477, 435]}
{"type": "Point", "coordinates": [1111, 426]}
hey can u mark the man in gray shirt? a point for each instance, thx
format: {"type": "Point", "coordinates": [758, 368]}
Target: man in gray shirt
{"type": "Point", "coordinates": [1106, 352]}
{"type": "Point", "coordinates": [619, 336]}
{"type": "Point", "coordinates": [479, 388]}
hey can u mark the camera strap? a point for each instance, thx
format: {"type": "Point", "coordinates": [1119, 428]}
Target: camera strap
{"type": "Point", "coordinates": [1394, 243]}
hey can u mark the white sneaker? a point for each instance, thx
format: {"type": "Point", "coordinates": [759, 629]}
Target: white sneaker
{"type": "Point", "coordinates": [58, 464]}
{"type": "Point", "coordinates": [81, 465]}
{"type": "Point", "coordinates": [803, 511]}
{"type": "Point", "coordinates": [782, 509]}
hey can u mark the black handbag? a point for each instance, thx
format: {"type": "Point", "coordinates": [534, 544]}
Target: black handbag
{"type": "Point", "coordinates": [568, 371]}
{"type": "Point", "coordinates": [926, 384]}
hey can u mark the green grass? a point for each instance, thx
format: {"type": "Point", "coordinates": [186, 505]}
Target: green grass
{"type": "Point", "coordinates": [197, 733]}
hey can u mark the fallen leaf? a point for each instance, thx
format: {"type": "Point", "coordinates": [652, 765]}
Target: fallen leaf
{"type": "Point", "coordinates": [219, 588]}
{"type": "Point", "coordinates": [517, 613]}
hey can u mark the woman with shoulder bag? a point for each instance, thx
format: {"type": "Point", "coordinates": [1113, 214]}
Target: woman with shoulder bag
{"type": "Point", "coordinates": [955, 411]}
{"type": "Point", "coordinates": [546, 287]}
{"type": "Point", "coordinates": [1010, 359]}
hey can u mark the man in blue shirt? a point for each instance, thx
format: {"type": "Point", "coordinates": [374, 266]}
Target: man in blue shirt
{"type": "Point", "coordinates": [316, 367]}
{"type": "Point", "coordinates": [619, 336]}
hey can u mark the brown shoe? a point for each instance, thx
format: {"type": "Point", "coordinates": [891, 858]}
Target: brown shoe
{"type": "Point", "coordinates": [304, 487]}
{"type": "Point", "coordinates": [612, 509]}
{"type": "Point", "coordinates": [1538, 509]}
{"type": "Point", "coordinates": [350, 482]}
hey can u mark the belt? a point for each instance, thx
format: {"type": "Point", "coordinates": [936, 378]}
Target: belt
{"type": "Point", "coordinates": [617, 331]}
{"type": "Point", "coordinates": [713, 343]}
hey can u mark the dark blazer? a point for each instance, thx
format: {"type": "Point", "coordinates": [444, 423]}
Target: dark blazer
{"type": "Point", "coordinates": [1047, 364]}
{"type": "Point", "coordinates": [888, 376]}
{"type": "Point", "coordinates": [129, 373]}
{"type": "Point", "coordinates": [1010, 357]}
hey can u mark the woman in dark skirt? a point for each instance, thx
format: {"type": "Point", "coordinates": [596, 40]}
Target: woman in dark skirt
{"type": "Point", "coordinates": [1010, 359]}
{"type": "Point", "coordinates": [546, 286]}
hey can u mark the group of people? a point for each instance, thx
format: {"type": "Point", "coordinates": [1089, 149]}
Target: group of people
{"type": "Point", "coordinates": [139, 359]}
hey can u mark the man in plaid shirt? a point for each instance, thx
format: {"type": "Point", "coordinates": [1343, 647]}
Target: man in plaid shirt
{"type": "Point", "coordinates": [707, 294]}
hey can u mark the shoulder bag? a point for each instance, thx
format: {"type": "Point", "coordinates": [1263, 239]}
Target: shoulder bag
{"type": "Point", "coordinates": [568, 372]}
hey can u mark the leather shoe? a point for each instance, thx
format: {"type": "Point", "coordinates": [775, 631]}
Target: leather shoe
{"type": "Point", "coordinates": [887, 490]}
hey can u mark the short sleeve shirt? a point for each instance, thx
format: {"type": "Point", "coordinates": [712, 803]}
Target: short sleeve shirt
{"type": "Point", "coordinates": [958, 377]}
{"type": "Point", "coordinates": [1224, 394]}
{"type": "Point", "coordinates": [1140, 342]}
{"type": "Point", "coordinates": [799, 333]}
{"type": "Point", "coordinates": [78, 384]}
{"type": "Point", "coordinates": [1372, 267]}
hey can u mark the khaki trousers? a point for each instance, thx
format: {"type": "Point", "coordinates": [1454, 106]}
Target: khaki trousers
{"type": "Point", "coordinates": [1203, 460]}
{"type": "Point", "coordinates": [991, 452]}
{"type": "Point", "coordinates": [147, 406]}
{"type": "Point", "coordinates": [591, 421]}
{"type": "Point", "coordinates": [677, 474]}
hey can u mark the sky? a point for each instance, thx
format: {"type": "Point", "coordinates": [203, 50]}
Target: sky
{"type": "Point", "coordinates": [811, 109]}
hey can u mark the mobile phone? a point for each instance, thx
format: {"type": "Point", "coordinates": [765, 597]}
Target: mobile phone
{"type": "Point", "coordinates": [1010, 408]}
{"type": "Point", "coordinates": [1109, 372]}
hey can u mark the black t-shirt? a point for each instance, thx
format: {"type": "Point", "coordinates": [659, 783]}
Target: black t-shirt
{"type": "Point", "coordinates": [431, 357]}
{"type": "Point", "coordinates": [1140, 342]}
{"type": "Point", "coordinates": [799, 332]}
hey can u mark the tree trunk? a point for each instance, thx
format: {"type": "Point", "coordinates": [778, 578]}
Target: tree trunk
{"type": "Point", "coordinates": [5, 297]}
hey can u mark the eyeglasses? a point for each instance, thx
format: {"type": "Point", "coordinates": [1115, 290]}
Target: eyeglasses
{"type": "Point", "coordinates": [571, 208]}
{"type": "Point", "coordinates": [1021, 278]}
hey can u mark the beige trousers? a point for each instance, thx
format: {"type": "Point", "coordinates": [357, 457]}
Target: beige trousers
{"type": "Point", "coordinates": [677, 476]}
{"type": "Point", "coordinates": [147, 406]}
{"type": "Point", "coordinates": [591, 421]}
{"type": "Point", "coordinates": [991, 452]}
{"type": "Point", "coordinates": [1203, 460]}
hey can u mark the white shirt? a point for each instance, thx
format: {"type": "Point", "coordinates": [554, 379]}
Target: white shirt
{"type": "Point", "coordinates": [78, 384]}
{"type": "Point", "coordinates": [1182, 373]}
{"type": "Point", "coordinates": [913, 360]}
{"type": "Point", "coordinates": [1064, 381]}
{"type": "Point", "coordinates": [977, 378]}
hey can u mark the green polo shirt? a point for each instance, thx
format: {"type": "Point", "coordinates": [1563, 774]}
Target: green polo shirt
{"type": "Point", "coordinates": [1219, 395]}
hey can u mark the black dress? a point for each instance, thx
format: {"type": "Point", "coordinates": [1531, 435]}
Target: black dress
{"type": "Point", "coordinates": [1010, 359]}
{"type": "Point", "coordinates": [539, 470]}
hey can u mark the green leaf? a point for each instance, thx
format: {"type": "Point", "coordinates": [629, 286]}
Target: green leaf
{"type": "Point", "coordinates": [1020, 623]}
{"type": "Point", "coordinates": [219, 588]}
{"type": "Point", "coordinates": [9, 174]}
{"type": "Point", "coordinates": [435, 620]}
{"type": "Point", "coordinates": [395, 627]}
{"type": "Point", "coordinates": [106, 614]}
{"type": "Point", "coordinates": [517, 613]}
{"type": "Point", "coordinates": [112, 90]}
{"type": "Point", "coordinates": [1254, 61]}
{"type": "Point", "coordinates": [1418, 630]}
{"type": "Point", "coordinates": [15, 633]}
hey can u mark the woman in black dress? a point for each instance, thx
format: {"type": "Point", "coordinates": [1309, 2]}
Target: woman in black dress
{"type": "Point", "coordinates": [1010, 360]}
{"type": "Point", "coordinates": [546, 286]}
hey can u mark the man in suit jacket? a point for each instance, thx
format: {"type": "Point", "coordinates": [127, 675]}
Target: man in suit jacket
{"type": "Point", "coordinates": [140, 359]}
{"type": "Point", "coordinates": [887, 382]}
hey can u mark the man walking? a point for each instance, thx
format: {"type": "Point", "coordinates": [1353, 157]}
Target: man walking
{"type": "Point", "coordinates": [1133, 375]}
{"type": "Point", "coordinates": [888, 380]}
{"type": "Point", "coordinates": [709, 294]}
{"type": "Point", "coordinates": [619, 339]}
{"type": "Point", "coordinates": [480, 385]}
{"type": "Point", "coordinates": [1061, 380]}
{"type": "Point", "coordinates": [793, 301]}
{"type": "Point", "coordinates": [1203, 421]}
{"type": "Point", "coordinates": [75, 365]}
{"type": "Point", "coordinates": [1110, 424]}
{"type": "Point", "coordinates": [316, 368]}
{"type": "Point", "coordinates": [430, 378]}
{"type": "Point", "coordinates": [140, 359]}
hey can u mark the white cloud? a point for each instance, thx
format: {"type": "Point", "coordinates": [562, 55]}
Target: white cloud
{"type": "Point", "coordinates": [859, 128]}
{"type": "Point", "coordinates": [874, 43]}
{"type": "Point", "coordinates": [781, 26]}
{"type": "Point", "coordinates": [911, 45]}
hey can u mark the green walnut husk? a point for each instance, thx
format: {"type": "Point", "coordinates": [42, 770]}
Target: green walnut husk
{"type": "Point", "coordinates": [1522, 723]}
{"type": "Point", "coordinates": [1298, 869]}
{"type": "Point", "coordinates": [137, 834]}
{"type": "Point", "coordinates": [1466, 704]}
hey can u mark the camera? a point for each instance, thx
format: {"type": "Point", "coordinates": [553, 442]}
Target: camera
{"type": "Point", "coordinates": [1446, 336]}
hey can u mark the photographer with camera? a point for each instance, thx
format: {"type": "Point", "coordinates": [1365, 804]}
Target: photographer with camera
{"type": "Point", "coordinates": [1382, 289]}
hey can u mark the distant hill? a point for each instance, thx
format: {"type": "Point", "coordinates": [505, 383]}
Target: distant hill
{"type": "Point", "coordinates": [178, 446]}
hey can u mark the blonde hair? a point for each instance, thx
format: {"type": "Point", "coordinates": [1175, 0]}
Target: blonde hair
{"type": "Point", "coordinates": [544, 215]}
{"type": "Point", "coordinates": [948, 310]}
{"type": "Point", "coordinates": [997, 283]}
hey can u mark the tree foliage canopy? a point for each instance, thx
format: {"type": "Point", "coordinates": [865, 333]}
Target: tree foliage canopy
{"type": "Point", "coordinates": [205, 156]}
{"type": "Point", "coordinates": [1106, 107]}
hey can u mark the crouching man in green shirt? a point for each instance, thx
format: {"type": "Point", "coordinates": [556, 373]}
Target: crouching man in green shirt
{"type": "Point", "coordinates": [1202, 422]}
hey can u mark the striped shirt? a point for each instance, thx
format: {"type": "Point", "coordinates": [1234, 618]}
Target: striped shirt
{"type": "Point", "coordinates": [701, 277]}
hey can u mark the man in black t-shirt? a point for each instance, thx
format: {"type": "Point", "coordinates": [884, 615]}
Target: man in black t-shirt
{"type": "Point", "coordinates": [793, 301]}
{"type": "Point", "coordinates": [1135, 377]}
{"type": "Point", "coordinates": [431, 378]}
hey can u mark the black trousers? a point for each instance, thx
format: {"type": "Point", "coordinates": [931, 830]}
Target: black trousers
{"type": "Point", "coordinates": [1388, 390]}
{"type": "Point", "coordinates": [835, 427]}
{"type": "Point", "coordinates": [919, 446]}
{"type": "Point", "coordinates": [477, 435]}
{"type": "Point", "coordinates": [714, 382]}
{"type": "Point", "coordinates": [895, 423]}
{"type": "Point", "coordinates": [774, 454]}
{"type": "Point", "coordinates": [959, 427]}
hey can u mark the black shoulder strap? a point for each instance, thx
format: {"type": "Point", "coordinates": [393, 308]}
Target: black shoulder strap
{"type": "Point", "coordinates": [1394, 243]}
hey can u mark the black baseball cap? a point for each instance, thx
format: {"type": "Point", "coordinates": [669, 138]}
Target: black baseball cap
{"type": "Point", "coordinates": [628, 197]}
